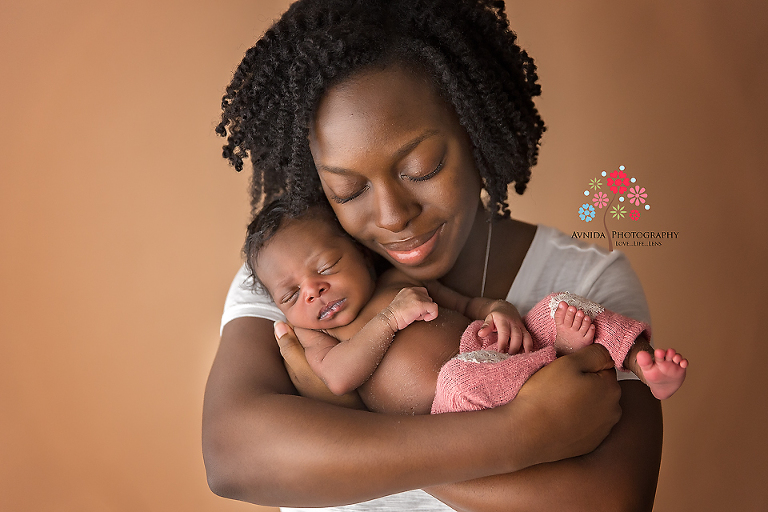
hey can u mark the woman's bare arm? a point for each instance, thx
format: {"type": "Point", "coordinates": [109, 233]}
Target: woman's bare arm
{"type": "Point", "coordinates": [264, 444]}
{"type": "Point", "coordinates": [620, 475]}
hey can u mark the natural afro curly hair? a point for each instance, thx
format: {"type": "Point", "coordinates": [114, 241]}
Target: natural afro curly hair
{"type": "Point", "coordinates": [466, 46]}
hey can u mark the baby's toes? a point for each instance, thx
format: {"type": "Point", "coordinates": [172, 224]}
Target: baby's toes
{"type": "Point", "coordinates": [560, 313]}
{"type": "Point", "coordinates": [586, 323]}
{"type": "Point", "coordinates": [644, 359]}
{"type": "Point", "coordinates": [670, 355]}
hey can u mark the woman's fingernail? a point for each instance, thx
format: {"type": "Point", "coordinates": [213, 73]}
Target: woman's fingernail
{"type": "Point", "coordinates": [280, 329]}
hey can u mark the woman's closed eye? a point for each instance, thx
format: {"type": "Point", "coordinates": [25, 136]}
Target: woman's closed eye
{"type": "Point", "coordinates": [427, 176]}
{"type": "Point", "coordinates": [346, 198]}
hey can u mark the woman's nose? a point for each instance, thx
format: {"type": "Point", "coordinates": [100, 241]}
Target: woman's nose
{"type": "Point", "coordinates": [394, 207]}
{"type": "Point", "coordinates": [314, 289]}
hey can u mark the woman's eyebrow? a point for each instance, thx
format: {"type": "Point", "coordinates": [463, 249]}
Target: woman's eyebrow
{"type": "Point", "coordinates": [397, 155]}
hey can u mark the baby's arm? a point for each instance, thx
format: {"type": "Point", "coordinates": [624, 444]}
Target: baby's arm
{"type": "Point", "coordinates": [500, 316]}
{"type": "Point", "coordinates": [346, 365]}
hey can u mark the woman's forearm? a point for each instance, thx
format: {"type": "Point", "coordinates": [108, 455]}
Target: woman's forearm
{"type": "Point", "coordinates": [621, 474]}
{"type": "Point", "coordinates": [266, 446]}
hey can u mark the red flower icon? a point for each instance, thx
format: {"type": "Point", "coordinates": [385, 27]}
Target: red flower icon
{"type": "Point", "coordinates": [618, 182]}
{"type": "Point", "coordinates": [634, 215]}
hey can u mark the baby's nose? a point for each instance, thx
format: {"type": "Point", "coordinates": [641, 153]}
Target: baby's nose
{"type": "Point", "coordinates": [315, 290]}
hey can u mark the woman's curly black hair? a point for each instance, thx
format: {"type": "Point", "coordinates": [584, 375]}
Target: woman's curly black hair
{"type": "Point", "coordinates": [465, 45]}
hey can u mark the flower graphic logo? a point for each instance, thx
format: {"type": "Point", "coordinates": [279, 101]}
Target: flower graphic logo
{"type": "Point", "coordinates": [621, 186]}
{"type": "Point", "coordinates": [618, 212]}
{"type": "Point", "coordinates": [587, 212]}
{"type": "Point", "coordinates": [636, 196]}
{"type": "Point", "coordinates": [618, 182]}
{"type": "Point", "coordinates": [600, 199]}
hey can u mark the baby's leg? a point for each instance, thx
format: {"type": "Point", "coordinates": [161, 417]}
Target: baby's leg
{"type": "Point", "coordinates": [615, 332]}
{"type": "Point", "coordinates": [663, 372]}
{"type": "Point", "coordinates": [574, 328]}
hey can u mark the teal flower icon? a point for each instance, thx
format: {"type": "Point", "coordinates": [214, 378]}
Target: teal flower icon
{"type": "Point", "coordinates": [587, 212]}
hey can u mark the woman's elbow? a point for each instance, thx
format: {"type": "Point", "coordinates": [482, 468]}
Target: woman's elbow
{"type": "Point", "coordinates": [219, 469]}
{"type": "Point", "coordinates": [229, 476]}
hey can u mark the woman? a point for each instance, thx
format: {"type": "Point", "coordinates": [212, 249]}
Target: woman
{"type": "Point", "coordinates": [400, 114]}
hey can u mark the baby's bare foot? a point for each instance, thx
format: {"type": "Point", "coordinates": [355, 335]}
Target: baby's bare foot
{"type": "Point", "coordinates": [575, 329]}
{"type": "Point", "coordinates": [664, 371]}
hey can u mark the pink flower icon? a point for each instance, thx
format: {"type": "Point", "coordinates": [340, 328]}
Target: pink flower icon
{"type": "Point", "coordinates": [618, 182]}
{"type": "Point", "coordinates": [634, 215]}
{"type": "Point", "coordinates": [600, 199]}
{"type": "Point", "coordinates": [637, 195]}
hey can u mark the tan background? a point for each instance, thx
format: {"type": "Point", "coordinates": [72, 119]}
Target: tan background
{"type": "Point", "coordinates": [120, 228]}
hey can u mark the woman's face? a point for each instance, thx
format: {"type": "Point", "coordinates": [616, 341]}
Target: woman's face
{"type": "Point", "coordinates": [397, 168]}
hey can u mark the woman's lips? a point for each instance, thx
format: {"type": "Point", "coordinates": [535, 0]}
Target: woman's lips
{"type": "Point", "coordinates": [413, 250]}
{"type": "Point", "coordinates": [330, 309]}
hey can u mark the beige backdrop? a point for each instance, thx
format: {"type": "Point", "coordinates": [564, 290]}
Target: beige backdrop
{"type": "Point", "coordinates": [120, 228]}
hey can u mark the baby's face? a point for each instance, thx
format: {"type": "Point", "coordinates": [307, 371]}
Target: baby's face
{"type": "Point", "coordinates": [318, 278]}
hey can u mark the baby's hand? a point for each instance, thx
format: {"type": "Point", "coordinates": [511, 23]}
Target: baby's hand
{"type": "Point", "coordinates": [408, 306]}
{"type": "Point", "coordinates": [505, 321]}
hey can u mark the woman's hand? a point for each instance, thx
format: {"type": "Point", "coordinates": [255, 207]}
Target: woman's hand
{"type": "Point", "coordinates": [570, 405]}
{"type": "Point", "coordinates": [303, 378]}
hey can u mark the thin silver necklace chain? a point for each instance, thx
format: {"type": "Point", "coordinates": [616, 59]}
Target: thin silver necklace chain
{"type": "Point", "coordinates": [487, 255]}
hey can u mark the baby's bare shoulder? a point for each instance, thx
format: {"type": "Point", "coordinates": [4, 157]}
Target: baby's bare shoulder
{"type": "Point", "coordinates": [387, 287]}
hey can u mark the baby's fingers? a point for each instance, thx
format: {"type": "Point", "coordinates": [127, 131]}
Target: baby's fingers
{"type": "Point", "coordinates": [504, 336]}
{"type": "Point", "coordinates": [430, 311]}
{"type": "Point", "coordinates": [527, 342]}
{"type": "Point", "coordinates": [489, 326]}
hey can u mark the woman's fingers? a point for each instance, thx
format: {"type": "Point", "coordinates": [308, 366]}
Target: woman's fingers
{"type": "Point", "coordinates": [576, 403]}
{"type": "Point", "coordinates": [306, 382]}
{"type": "Point", "coordinates": [592, 359]}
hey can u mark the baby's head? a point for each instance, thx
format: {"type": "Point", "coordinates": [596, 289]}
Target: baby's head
{"type": "Point", "coordinates": [316, 274]}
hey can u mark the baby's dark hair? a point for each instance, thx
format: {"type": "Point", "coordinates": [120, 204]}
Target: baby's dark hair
{"type": "Point", "coordinates": [466, 46]}
{"type": "Point", "coordinates": [267, 222]}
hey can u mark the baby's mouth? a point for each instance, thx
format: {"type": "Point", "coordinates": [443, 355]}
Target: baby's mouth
{"type": "Point", "coordinates": [331, 309]}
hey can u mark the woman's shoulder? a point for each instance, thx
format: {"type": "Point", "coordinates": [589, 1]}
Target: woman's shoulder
{"type": "Point", "coordinates": [245, 299]}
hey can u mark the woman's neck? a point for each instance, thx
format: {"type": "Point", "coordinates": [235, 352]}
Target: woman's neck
{"type": "Point", "coordinates": [466, 275]}
{"type": "Point", "coordinates": [509, 244]}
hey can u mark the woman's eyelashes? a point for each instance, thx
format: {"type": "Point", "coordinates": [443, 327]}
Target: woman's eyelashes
{"type": "Point", "coordinates": [342, 200]}
{"type": "Point", "coordinates": [427, 176]}
{"type": "Point", "coordinates": [405, 176]}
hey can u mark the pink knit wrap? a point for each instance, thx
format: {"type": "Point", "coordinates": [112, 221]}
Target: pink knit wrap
{"type": "Point", "coordinates": [467, 385]}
